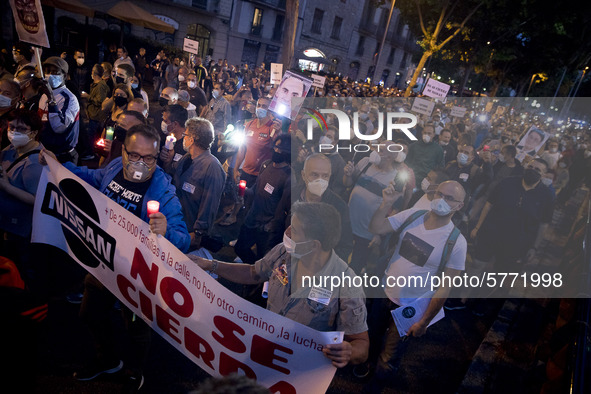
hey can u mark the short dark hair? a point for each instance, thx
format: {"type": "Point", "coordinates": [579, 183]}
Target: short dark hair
{"type": "Point", "coordinates": [320, 221]}
{"type": "Point", "coordinates": [129, 70]}
{"type": "Point", "coordinates": [177, 113]}
{"type": "Point", "coordinates": [146, 131]}
{"type": "Point", "coordinates": [98, 69]}
{"type": "Point", "coordinates": [511, 150]}
{"type": "Point", "coordinates": [544, 162]}
{"type": "Point", "coordinates": [30, 118]}
{"type": "Point", "coordinates": [445, 131]}
{"type": "Point", "coordinates": [24, 49]}
{"type": "Point", "coordinates": [138, 115]}
{"type": "Point", "coordinates": [202, 129]}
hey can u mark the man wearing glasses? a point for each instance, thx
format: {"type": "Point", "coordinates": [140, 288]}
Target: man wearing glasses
{"type": "Point", "coordinates": [419, 253]}
{"type": "Point", "coordinates": [130, 180]}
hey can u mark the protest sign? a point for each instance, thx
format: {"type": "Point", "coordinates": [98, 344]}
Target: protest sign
{"type": "Point", "coordinates": [435, 89]}
{"type": "Point", "coordinates": [216, 329]}
{"type": "Point", "coordinates": [292, 86]}
{"type": "Point", "coordinates": [531, 142]}
{"type": "Point", "coordinates": [276, 71]}
{"type": "Point", "coordinates": [422, 106]}
{"type": "Point", "coordinates": [318, 81]}
{"type": "Point", "coordinates": [191, 46]}
{"type": "Point", "coordinates": [458, 112]}
{"type": "Point", "coordinates": [29, 22]}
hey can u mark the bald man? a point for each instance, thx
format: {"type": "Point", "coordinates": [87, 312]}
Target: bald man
{"type": "Point", "coordinates": [419, 252]}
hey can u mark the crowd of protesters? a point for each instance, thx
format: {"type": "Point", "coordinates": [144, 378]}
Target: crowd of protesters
{"type": "Point", "coordinates": [204, 127]}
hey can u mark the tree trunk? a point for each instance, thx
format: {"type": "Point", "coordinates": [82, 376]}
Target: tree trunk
{"type": "Point", "coordinates": [418, 71]}
{"type": "Point", "coordinates": [465, 79]}
{"type": "Point", "coordinates": [291, 25]}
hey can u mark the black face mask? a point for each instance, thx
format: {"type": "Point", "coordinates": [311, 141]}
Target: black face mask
{"type": "Point", "coordinates": [162, 101]}
{"type": "Point", "coordinates": [530, 177]}
{"type": "Point", "coordinates": [280, 157]}
{"type": "Point", "coordinates": [119, 79]}
{"type": "Point", "coordinates": [120, 101]}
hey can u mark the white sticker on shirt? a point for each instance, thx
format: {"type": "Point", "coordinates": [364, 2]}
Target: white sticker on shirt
{"type": "Point", "coordinates": [320, 295]}
{"type": "Point", "coordinates": [177, 157]}
{"type": "Point", "coordinates": [269, 189]}
{"type": "Point", "coordinates": [464, 177]}
{"type": "Point", "coordinates": [188, 187]}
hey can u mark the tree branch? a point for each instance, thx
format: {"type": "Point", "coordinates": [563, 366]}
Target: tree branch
{"type": "Point", "coordinates": [459, 29]}
{"type": "Point", "coordinates": [421, 18]}
{"type": "Point", "coordinates": [441, 18]}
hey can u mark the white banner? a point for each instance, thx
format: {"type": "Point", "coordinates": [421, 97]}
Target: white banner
{"type": "Point", "coordinates": [191, 46]}
{"type": "Point", "coordinates": [276, 73]}
{"type": "Point", "coordinates": [457, 112]}
{"type": "Point", "coordinates": [435, 89]}
{"type": "Point", "coordinates": [318, 81]}
{"type": "Point", "coordinates": [216, 329]}
{"type": "Point", "coordinates": [422, 106]}
{"type": "Point", "coordinates": [29, 22]}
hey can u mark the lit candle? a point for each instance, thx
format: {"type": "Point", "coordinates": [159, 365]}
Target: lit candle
{"type": "Point", "coordinates": [242, 188]}
{"type": "Point", "coordinates": [170, 140]}
{"type": "Point", "coordinates": [109, 133]}
{"type": "Point", "coordinates": [153, 207]}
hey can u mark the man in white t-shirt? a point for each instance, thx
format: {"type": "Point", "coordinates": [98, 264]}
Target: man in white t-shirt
{"type": "Point", "coordinates": [418, 253]}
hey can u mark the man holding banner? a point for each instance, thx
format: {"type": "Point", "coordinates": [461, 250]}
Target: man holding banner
{"type": "Point", "coordinates": [131, 180]}
{"type": "Point", "coordinates": [307, 252]}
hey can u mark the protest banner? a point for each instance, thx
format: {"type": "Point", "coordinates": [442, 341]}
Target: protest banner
{"type": "Point", "coordinates": [216, 329]}
{"type": "Point", "coordinates": [29, 22]}
{"type": "Point", "coordinates": [531, 143]}
{"type": "Point", "coordinates": [318, 81]}
{"type": "Point", "coordinates": [422, 106]}
{"type": "Point", "coordinates": [292, 86]}
{"type": "Point", "coordinates": [191, 46]}
{"type": "Point", "coordinates": [276, 71]}
{"type": "Point", "coordinates": [436, 89]}
{"type": "Point", "coordinates": [457, 112]}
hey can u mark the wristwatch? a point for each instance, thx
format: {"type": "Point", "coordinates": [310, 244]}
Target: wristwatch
{"type": "Point", "coordinates": [214, 266]}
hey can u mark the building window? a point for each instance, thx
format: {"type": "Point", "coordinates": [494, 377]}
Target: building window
{"type": "Point", "coordinates": [201, 4]}
{"type": "Point", "coordinates": [336, 28]}
{"type": "Point", "coordinates": [257, 20]}
{"type": "Point", "coordinates": [391, 55]}
{"type": "Point", "coordinates": [202, 34]}
{"type": "Point", "coordinates": [360, 46]}
{"type": "Point", "coordinates": [278, 29]}
{"type": "Point", "coordinates": [403, 61]}
{"type": "Point", "coordinates": [317, 21]}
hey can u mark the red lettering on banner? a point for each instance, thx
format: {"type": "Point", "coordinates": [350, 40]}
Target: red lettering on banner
{"type": "Point", "coordinates": [262, 351]}
{"type": "Point", "coordinates": [149, 276]}
{"type": "Point", "coordinates": [124, 285]}
{"type": "Point", "coordinates": [146, 306]}
{"type": "Point", "coordinates": [170, 286]}
{"type": "Point", "coordinates": [199, 347]}
{"type": "Point", "coordinates": [228, 339]}
{"type": "Point", "coordinates": [164, 320]}
{"type": "Point", "coordinates": [282, 388]}
{"type": "Point", "coordinates": [230, 365]}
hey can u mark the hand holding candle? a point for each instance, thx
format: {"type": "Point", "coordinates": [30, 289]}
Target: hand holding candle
{"type": "Point", "coordinates": [158, 221]}
{"type": "Point", "coordinates": [109, 133]}
{"type": "Point", "coordinates": [153, 207]}
{"type": "Point", "coordinates": [170, 140]}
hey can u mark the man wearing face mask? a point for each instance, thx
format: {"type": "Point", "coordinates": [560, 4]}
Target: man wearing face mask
{"type": "Point", "coordinates": [428, 188]}
{"type": "Point", "coordinates": [196, 93]}
{"type": "Point", "coordinates": [316, 188]}
{"type": "Point", "coordinates": [169, 96]}
{"type": "Point", "coordinates": [219, 110]}
{"type": "Point", "coordinates": [131, 181]}
{"type": "Point", "coordinates": [424, 155]}
{"type": "Point", "coordinates": [123, 58]}
{"type": "Point", "coordinates": [551, 155]}
{"type": "Point", "coordinates": [448, 145]}
{"type": "Point", "coordinates": [9, 95]}
{"type": "Point", "coordinates": [273, 181]}
{"type": "Point", "coordinates": [61, 113]}
{"type": "Point", "coordinates": [419, 251]}
{"type": "Point", "coordinates": [199, 179]}
{"type": "Point", "coordinates": [174, 117]}
{"type": "Point", "coordinates": [513, 221]}
{"type": "Point", "coordinates": [307, 250]}
{"type": "Point", "coordinates": [466, 172]}
{"type": "Point", "coordinates": [182, 77]}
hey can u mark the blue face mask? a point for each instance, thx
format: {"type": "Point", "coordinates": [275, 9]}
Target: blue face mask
{"type": "Point", "coordinates": [55, 81]}
{"type": "Point", "coordinates": [134, 85]}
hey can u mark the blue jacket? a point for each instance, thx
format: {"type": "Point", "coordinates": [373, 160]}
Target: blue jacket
{"type": "Point", "coordinates": [160, 190]}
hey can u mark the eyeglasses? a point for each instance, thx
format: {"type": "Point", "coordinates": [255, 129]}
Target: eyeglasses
{"type": "Point", "coordinates": [23, 130]}
{"type": "Point", "coordinates": [446, 197]}
{"type": "Point", "coordinates": [148, 159]}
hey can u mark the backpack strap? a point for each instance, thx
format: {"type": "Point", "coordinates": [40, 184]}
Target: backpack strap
{"type": "Point", "coordinates": [21, 158]}
{"type": "Point", "coordinates": [447, 249]}
{"type": "Point", "coordinates": [396, 235]}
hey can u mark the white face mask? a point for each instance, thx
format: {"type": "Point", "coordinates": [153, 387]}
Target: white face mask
{"type": "Point", "coordinates": [291, 247]}
{"type": "Point", "coordinates": [375, 158]}
{"type": "Point", "coordinates": [261, 113]}
{"type": "Point", "coordinates": [5, 101]}
{"type": "Point", "coordinates": [164, 127]}
{"type": "Point", "coordinates": [18, 139]}
{"type": "Point", "coordinates": [325, 140]}
{"type": "Point", "coordinates": [426, 138]}
{"type": "Point", "coordinates": [425, 185]}
{"type": "Point", "coordinates": [440, 207]}
{"type": "Point", "coordinates": [192, 84]}
{"type": "Point", "coordinates": [546, 181]}
{"type": "Point", "coordinates": [400, 157]}
{"type": "Point", "coordinates": [442, 143]}
{"type": "Point", "coordinates": [318, 186]}
{"type": "Point", "coordinates": [186, 145]}
{"type": "Point", "coordinates": [181, 78]}
{"type": "Point", "coordinates": [215, 93]}
{"type": "Point", "coordinates": [80, 61]}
